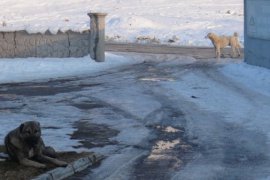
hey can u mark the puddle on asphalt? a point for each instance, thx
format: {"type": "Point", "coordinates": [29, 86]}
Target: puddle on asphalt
{"type": "Point", "coordinates": [50, 127]}
{"type": "Point", "coordinates": [93, 135]}
{"type": "Point", "coordinates": [88, 105]}
{"type": "Point", "coordinates": [5, 97]}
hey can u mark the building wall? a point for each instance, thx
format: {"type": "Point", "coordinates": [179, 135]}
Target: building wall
{"type": "Point", "coordinates": [257, 32]}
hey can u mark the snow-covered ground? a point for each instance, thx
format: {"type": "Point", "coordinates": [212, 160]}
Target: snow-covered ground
{"type": "Point", "coordinates": [154, 21]}
{"type": "Point", "coordinates": [29, 69]}
{"type": "Point", "coordinates": [253, 77]}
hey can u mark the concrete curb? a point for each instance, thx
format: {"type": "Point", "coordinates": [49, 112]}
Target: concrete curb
{"type": "Point", "coordinates": [72, 168]}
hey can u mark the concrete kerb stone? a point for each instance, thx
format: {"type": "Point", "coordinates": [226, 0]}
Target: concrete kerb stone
{"type": "Point", "coordinates": [76, 166]}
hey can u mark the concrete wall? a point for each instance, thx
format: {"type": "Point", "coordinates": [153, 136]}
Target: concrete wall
{"type": "Point", "coordinates": [22, 44]}
{"type": "Point", "coordinates": [257, 32]}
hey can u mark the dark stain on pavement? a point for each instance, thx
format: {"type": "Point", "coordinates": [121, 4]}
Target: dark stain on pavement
{"type": "Point", "coordinates": [85, 105]}
{"type": "Point", "coordinates": [44, 89]}
{"type": "Point", "coordinates": [93, 135]}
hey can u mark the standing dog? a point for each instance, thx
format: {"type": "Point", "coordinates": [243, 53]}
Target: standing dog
{"type": "Point", "coordinates": [221, 42]}
{"type": "Point", "coordinates": [25, 145]}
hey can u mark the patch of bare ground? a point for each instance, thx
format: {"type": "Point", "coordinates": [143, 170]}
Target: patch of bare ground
{"type": "Point", "coordinates": [10, 170]}
{"type": "Point", "coordinates": [90, 135]}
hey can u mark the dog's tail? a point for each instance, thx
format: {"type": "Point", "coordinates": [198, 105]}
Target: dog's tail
{"type": "Point", "coordinates": [235, 34]}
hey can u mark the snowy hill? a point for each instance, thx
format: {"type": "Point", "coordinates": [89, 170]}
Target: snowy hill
{"type": "Point", "coordinates": [155, 21]}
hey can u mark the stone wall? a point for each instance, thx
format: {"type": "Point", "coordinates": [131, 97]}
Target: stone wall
{"type": "Point", "coordinates": [22, 44]}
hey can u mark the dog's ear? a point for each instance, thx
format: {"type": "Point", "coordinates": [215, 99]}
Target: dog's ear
{"type": "Point", "coordinates": [37, 123]}
{"type": "Point", "coordinates": [21, 127]}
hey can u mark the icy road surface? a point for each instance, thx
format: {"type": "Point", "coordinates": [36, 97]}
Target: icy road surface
{"type": "Point", "coordinates": [165, 117]}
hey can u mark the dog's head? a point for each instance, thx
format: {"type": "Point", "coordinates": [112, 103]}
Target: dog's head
{"type": "Point", "coordinates": [30, 132]}
{"type": "Point", "coordinates": [235, 34]}
{"type": "Point", "coordinates": [209, 35]}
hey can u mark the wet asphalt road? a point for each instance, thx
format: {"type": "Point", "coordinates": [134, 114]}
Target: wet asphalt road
{"type": "Point", "coordinates": [149, 130]}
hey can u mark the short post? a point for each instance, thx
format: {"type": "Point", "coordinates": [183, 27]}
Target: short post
{"type": "Point", "coordinates": [97, 36]}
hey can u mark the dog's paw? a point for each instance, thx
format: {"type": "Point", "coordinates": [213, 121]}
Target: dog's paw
{"type": "Point", "coordinates": [42, 166]}
{"type": "Point", "coordinates": [62, 163]}
{"type": "Point", "coordinates": [93, 158]}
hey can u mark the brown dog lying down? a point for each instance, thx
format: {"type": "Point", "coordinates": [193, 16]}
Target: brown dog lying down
{"type": "Point", "coordinates": [25, 145]}
{"type": "Point", "coordinates": [221, 42]}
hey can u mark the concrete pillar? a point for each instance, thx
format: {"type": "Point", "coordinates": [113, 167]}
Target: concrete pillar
{"type": "Point", "coordinates": [97, 36]}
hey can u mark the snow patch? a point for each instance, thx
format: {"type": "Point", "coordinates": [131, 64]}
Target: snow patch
{"type": "Point", "coordinates": [254, 77]}
{"type": "Point", "coordinates": [29, 69]}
